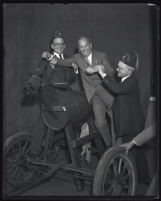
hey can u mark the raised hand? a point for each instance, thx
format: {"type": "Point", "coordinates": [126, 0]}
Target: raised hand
{"type": "Point", "coordinates": [90, 70]}
{"type": "Point", "coordinates": [95, 69]}
{"type": "Point", "coordinates": [100, 69]}
{"type": "Point", "coordinates": [75, 68]}
{"type": "Point", "coordinates": [46, 55]}
{"type": "Point", "coordinates": [49, 57]}
{"type": "Point", "coordinates": [53, 60]}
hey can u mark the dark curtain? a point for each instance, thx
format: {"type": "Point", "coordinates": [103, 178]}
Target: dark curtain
{"type": "Point", "coordinates": [27, 30]}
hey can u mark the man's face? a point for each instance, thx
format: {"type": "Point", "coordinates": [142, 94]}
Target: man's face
{"type": "Point", "coordinates": [85, 48]}
{"type": "Point", "coordinates": [123, 70]}
{"type": "Point", "coordinates": [58, 45]}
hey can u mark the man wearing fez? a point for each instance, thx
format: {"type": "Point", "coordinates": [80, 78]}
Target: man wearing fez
{"type": "Point", "coordinates": [96, 94]}
{"type": "Point", "coordinates": [127, 111]}
{"type": "Point", "coordinates": [55, 74]}
{"type": "Point", "coordinates": [52, 74]}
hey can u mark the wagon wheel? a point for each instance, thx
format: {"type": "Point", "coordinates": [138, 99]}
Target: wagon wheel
{"type": "Point", "coordinates": [18, 171]}
{"type": "Point", "coordinates": [115, 174]}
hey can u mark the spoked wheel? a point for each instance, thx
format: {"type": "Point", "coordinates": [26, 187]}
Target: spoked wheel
{"type": "Point", "coordinates": [18, 171]}
{"type": "Point", "coordinates": [115, 174]}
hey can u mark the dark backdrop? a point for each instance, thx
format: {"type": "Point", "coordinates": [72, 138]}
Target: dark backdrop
{"type": "Point", "coordinates": [27, 30]}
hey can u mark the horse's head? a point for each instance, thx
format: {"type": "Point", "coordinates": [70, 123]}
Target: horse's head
{"type": "Point", "coordinates": [33, 84]}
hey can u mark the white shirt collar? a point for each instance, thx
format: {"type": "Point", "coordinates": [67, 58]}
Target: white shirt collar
{"type": "Point", "coordinates": [124, 78]}
{"type": "Point", "coordinates": [90, 58]}
{"type": "Point", "coordinates": [57, 55]}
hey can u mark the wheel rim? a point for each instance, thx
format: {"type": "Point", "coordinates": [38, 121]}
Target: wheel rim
{"type": "Point", "coordinates": [119, 177]}
{"type": "Point", "coordinates": [18, 170]}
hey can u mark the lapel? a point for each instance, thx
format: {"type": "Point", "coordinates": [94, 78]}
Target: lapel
{"type": "Point", "coordinates": [52, 65]}
{"type": "Point", "coordinates": [59, 57]}
{"type": "Point", "coordinates": [82, 63]}
{"type": "Point", "coordinates": [95, 59]}
{"type": "Point", "coordinates": [56, 56]}
{"type": "Point", "coordinates": [65, 56]}
{"type": "Point", "coordinates": [128, 78]}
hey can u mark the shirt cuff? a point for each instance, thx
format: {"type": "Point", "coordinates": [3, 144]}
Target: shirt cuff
{"type": "Point", "coordinates": [103, 75]}
{"type": "Point", "coordinates": [134, 142]}
{"type": "Point", "coordinates": [50, 57]}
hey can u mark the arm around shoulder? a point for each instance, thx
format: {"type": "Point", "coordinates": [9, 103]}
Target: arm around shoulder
{"type": "Point", "coordinates": [66, 62]}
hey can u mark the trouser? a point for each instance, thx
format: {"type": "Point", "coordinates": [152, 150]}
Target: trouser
{"type": "Point", "coordinates": [153, 188]}
{"type": "Point", "coordinates": [100, 105]}
{"type": "Point", "coordinates": [38, 135]}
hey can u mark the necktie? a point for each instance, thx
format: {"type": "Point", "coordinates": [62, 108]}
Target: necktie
{"type": "Point", "coordinates": [60, 56]}
{"type": "Point", "coordinates": [86, 58]}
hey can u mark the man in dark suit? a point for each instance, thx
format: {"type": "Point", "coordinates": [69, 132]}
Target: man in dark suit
{"type": "Point", "coordinates": [127, 111]}
{"type": "Point", "coordinates": [51, 74]}
{"type": "Point", "coordinates": [128, 114]}
{"type": "Point", "coordinates": [96, 94]}
{"type": "Point", "coordinates": [55, 74]}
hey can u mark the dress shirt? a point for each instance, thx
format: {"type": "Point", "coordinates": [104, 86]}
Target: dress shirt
{"type": "Point", "coordinates": [89, 59]}
{"type": "Point", "coordinates": [124, 78]}
{"type": "Point", "coordinates": [58, 55]}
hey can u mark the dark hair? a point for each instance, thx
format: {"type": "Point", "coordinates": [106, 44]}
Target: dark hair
{"type": "Point", "coordinates": [57, 34]}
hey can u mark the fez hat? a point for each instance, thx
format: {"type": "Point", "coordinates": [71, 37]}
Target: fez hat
{"type": "Point", "coordinates": [58, 34]}
{"type": "Point", "coordinates": [130, 59]}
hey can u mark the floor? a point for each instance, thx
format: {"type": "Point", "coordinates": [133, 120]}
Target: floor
{"type": "Point", "coordinates": [62, 185]}
{"type": "Point", "coordinates": [59, 186]}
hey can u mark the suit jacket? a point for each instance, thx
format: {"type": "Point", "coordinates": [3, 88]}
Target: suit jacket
{"type": "Point", "coordinates": [58, 74]}
{"type": "Point", "coordinates": [90, 82]}
{"type": "Point", "coordinates": [128, 114]}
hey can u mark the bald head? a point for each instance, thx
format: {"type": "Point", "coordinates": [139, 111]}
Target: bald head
{"type": "Point", "coordinates": [84, 46]}
{"type": "Point", "coordinates": [84, 38]}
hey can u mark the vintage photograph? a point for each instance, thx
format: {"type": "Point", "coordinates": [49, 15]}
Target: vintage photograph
{"type": "Point", "coordinates": [80, 100]}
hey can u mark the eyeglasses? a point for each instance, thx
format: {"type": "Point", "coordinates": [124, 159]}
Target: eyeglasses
{"type": "Point", "coordinates": [121, 69]}
{"type": "Point", "coordinates": [124, 69]}
{"type": "Point", "coordinates": [58, 44]}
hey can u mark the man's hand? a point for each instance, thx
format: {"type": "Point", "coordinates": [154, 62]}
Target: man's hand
{"type": "Point", "coordinates": [100, 69]}
{"type": "Point", "coordinates": [75, 68]}
{"type": "Point", "coordinates": [95, 69]}
{"type": "Point", "coordinates": [90, 70]}
{"type": "Point", "coordinates": [128, 146]}
{"type": "Point", "coordinates": [53, 60]}
{"type": "Point", "coordinates": [46, 55]}
{"type": "Point", "coordinates": [49, 57]}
